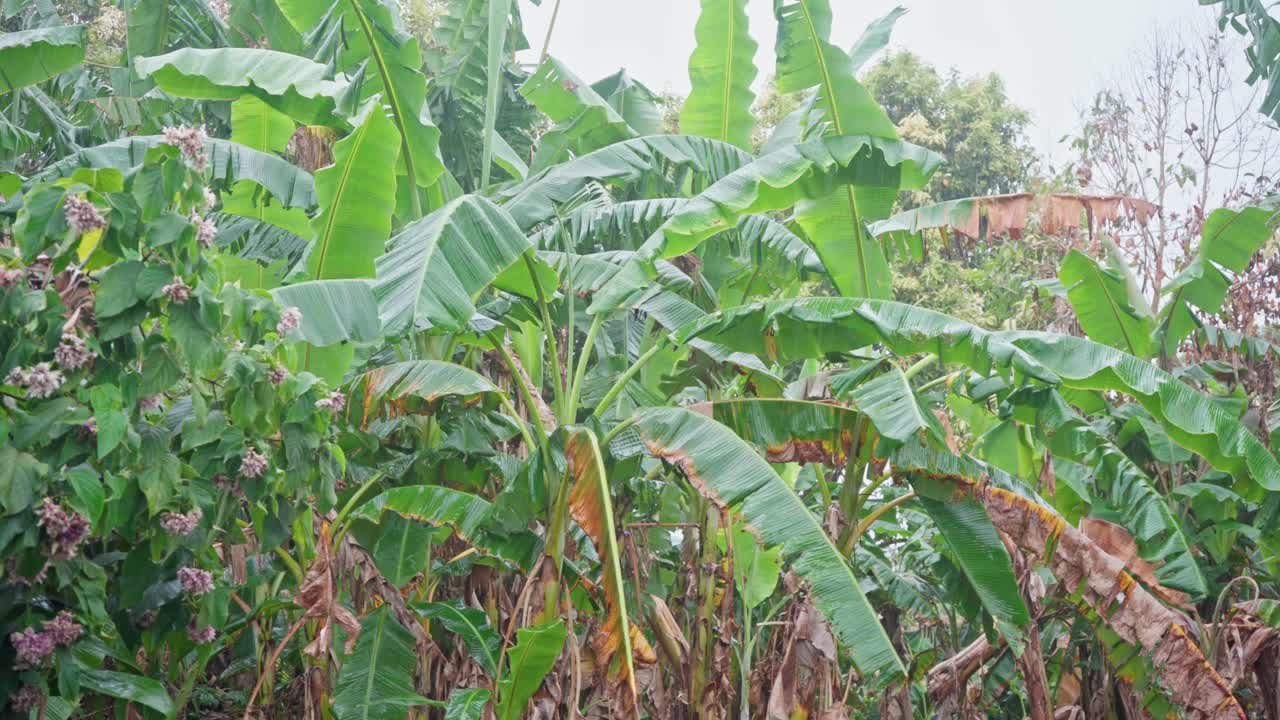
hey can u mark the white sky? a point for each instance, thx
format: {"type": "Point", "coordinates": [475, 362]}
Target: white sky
{"type": "Point", "coordinates": [1053, 54]}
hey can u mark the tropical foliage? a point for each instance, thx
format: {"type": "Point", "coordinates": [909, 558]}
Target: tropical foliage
{"type": "Point", "coordinates": [353, 370]}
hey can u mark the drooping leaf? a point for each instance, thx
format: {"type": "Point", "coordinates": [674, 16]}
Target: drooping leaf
{"type": "Point", "coordinates": [814, 327]}
{"type": "Point", "coordinates": [303, 89]}
{"type": "Point", "coordinates": [467, 704]}
{"type": "Point", "coordinates": [376, 682]}
{"type": "Point", "coordinates": [721, 71]}
{"type": "Point", "coordinates": [530, 659]}
{"type": "Point", "coordinates": [426, 380]}
{"type": "Point", "coordinates": [592, 509]}
{"type": "Point", "coordinates": [31, 56]}
{"type": "Point", "coordinates": [898, 414]}
{"type": "Point", "coordinates": [400, 547]}
{"type": "Point", "coordinates": [537, 199]}
{"type": "Point", "coordinates": [584, 120]}
{"type": "Point", "coordinates": [775, 181]}
{"type": "Point", "coordinates": [483, 643]}
{"type": "Point", "coordinates": [229, 162]}
{"type": "Point", "coordinates": [637, 104]}
{"type": "Point", "coordinates": [462, 512]}
{"type": "Point", "coordinates": [435, 268]}
{"type": "Point", "coordinates": [499, 20]}
{"type": "Point", "coordinates": [725, 469]}
{"type": "Point", "coordinates": [1077, 562]}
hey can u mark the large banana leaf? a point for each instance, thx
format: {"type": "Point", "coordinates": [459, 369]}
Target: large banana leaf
{"type": "Point", "coordinates": [31, 56]}
{"type": "Point", "coordinates": [813, 327]}
{"type": "Point", "coordinates": [894, 409]}
{"type": "Point", "coordinates": [721, 70]}
{"type": "Point", "coordinates": [537, 199]}
{"type": "Point", "coordinates": [637, 104]}
{"type": "Point", "coordinates": [146, 27]}
{"type": "Point", "coordinates": [426, 380]}
{"type": "Point", "coordinates": [357, 199]}
{"type": "Point", "coordinates": [333, 311]}
{"type": "Point", "coordinates": [499, 21]}
{"type": "Point", "coordinates": [1139, 506]}
{"type": "Point", "coordinates": [775, 181]}
{"type": "Point", "coordinates": [465, 514]}
{"type": "Point", "coordinates": [1107, 302]}
{"type": "Point", "coordinates": [257, 125]}
{"type": "Point", "coordinates": [1082, 568]}
{"type": "Point", "coordinates": [673, 312]}
{"type": "Point", "coordinates": [620, 226]}
{"type": "Point", "coordinates": [376, 682]}
{"type": "Point", "coordinates": [835, 221]}
{"type": "Point", "coordinates": [1228, 241]}
{"type": "Point", "coordinates": [435, 268]}
{"type": "Point", "coordinates": [300, 88]}
{"type": "Point", "coordinates": [483, 643]}
{"type": "Point", "coordinates": [807, 432]}
{"type": "Point", "coordinates": [592, 509]}
{"type": "Point", "coordinates": [584, 120]}
{"type": "Point", "coordinates": [395, 55]}
{"type": "Point", "coordinates": [726, 469]}
{"type": "Point", "coordinates": [229, 163]}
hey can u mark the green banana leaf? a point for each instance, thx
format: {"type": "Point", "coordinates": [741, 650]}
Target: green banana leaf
{"type": "Point", "coordinates": [726, 469]}
{"type": "Point", "coordinates": [31, 56]}
{"type": "Point", "coordinates": [721, 70]}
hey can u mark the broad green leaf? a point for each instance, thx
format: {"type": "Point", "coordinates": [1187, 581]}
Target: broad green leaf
{"type": "Point", "coordinates": [464, 513]}
{"type": "Point", "coordinates": [874, 38]}
{"type": "Point", "coordinates": [756, 569]}
{"type": "Point", "coordinates": [538, 199]}
{"type": "Point", "coordinates": [529, 661]}
{"type": "Point", "coordinates": [592, 509]}
{"type": "Point", "coordinates": [20, 476]}
{"type": "Point", "coordinates": [376, 681]}
{"type": "Point", "coordinates": [721, 71]}
{"type": "Point", "coordinates": [146, 27]}
{"type": "Point", "coordinates": [133, 688]}
{"type": "Point", "coordinates": [395, 55]}
{"type": "Point", "coordinates": [399, 547]}
{"type": "Point", "coordinates": [1108, 304]}
{"type": "Point", "coordinates": [257, 125]}
{"type": "Point", "coordinates": [435, 269]}
{"type": "Point", "coordinates": [31, 56]}
{"type": "Point", "coordinates": [775, 181]}
{"type": "Point", "coordinates": [835, 222]}
{"type": "Point", "coordinates": [357, 199]}
{"type": "Point", "coordinates": [1228, 241]}
{"type": "Point", "coordinates": [483, 643]}
{"type": "Point", "coordinates": [814, 327]}
{"type": "Point", "coordinates": [333, 311]}
{"type": "Point", "coordinates": [725, 468]}
{"type": "Point", "coordinates": [303, 89]}
{"type": "Point", "coordinates": [425, 379]}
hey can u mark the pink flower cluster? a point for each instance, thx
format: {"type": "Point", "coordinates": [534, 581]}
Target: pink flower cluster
{"type": "Point", "coordinates": [151, 403]}
{"type": "Point", "coordinates": [189, 140]}
{"type": "Point", "coordinates": [26, 699]}
{"type": "Point", "coordinates": [10, 277]}
{"type": "Point", "coordinates": [290, 320]}
{"type": "Point", "coordinates": [40, 381]}
{"type": "Point", "coordinates": [277, 375]}
{"type": "Point", "coordinates": [34, 647]}
{"type": "Point", "coordinates": [180, 525]}
{"type": "Point", "coordinates": [209, 198]}
{"type": "Point", "coordinates": [253, 465]}
{"type": "Point", "coordinates": [82, 215]}
{"type": "Point", "coordinates": [195, 581]}
{"type": "Point", "coordinates": [72, 353]}
{"type": "Point", "coordinates": [206, 231]}
{"type": "Point", "coordinates": [200, 636]}
{"type": "Point", "coordinates": [66, 529]}
{"type": "Point", "coordinates": [178, 291]}
{"type": "Point", "coordinates": [333, 402]}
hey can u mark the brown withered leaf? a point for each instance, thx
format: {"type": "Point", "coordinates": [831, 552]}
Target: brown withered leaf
{"type": "Point", "coordinates": [319, 599]}
{"type": "Point", "coordinates": [1116, 541]}
{"type": "Point", "coordinates": [591, 508]}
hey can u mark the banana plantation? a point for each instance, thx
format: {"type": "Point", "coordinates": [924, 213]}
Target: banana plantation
{"type": "Point", "coordinates": [359, 359]}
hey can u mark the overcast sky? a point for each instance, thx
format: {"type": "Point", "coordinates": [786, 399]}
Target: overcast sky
{"type": "Point", "coordinates": [1053, 54]}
